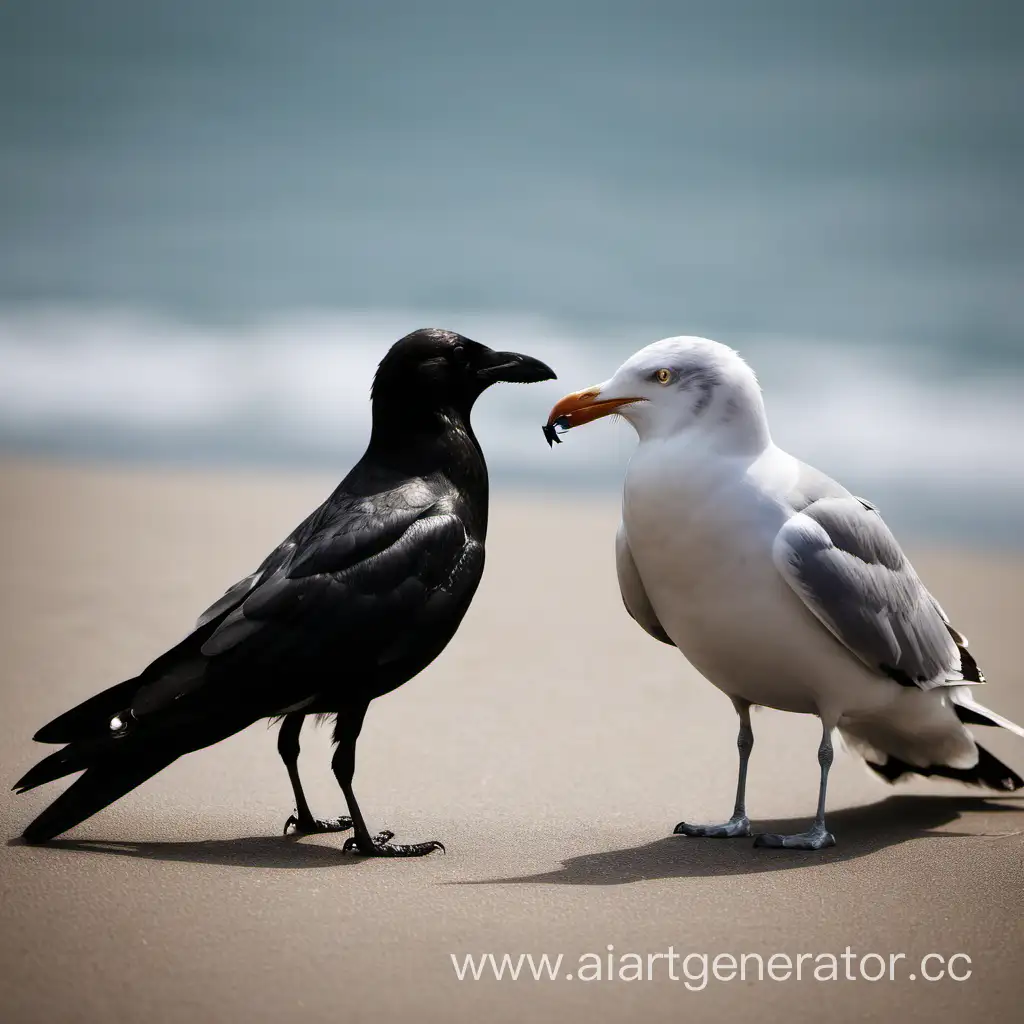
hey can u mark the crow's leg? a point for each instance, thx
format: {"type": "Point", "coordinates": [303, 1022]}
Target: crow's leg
{"type": "Point", "coordinates": [302, 821]}
{"type": "Point", "coordinates": [817, 836]}
{"type": "Point", "coordinates": [738, 824]}
{"type": "Point", "coordinates": [346, 732]}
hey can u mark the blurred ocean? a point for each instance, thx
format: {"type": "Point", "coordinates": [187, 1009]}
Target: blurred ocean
{"type": "Point", "coordinates": [214, 218]}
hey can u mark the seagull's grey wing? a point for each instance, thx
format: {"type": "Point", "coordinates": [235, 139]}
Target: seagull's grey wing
{"type": "Point", "coordinates": [842, 560]}
{"type": "Point", "coordinates": [634, 597]}
{"type": "Point", "coordinates": [810, 485]}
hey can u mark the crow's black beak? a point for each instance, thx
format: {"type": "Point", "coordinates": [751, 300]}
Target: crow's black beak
{"type": "Point", "coordinates": [513, 367]}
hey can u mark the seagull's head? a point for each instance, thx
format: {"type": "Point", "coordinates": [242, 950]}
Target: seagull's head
{"type": "Point", "coordinates": [432, 369]}
{"type": "Point", "coordinates": [676, 386]}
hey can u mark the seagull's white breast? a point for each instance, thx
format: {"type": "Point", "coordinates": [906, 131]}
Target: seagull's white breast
{"type": "Point", "coordinates": [700, 528]}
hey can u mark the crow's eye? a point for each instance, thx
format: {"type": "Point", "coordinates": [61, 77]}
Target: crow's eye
{"type": "Point", "coordinates": [663, 376]}
{"type": "Point", "coordinates": [458, 355]}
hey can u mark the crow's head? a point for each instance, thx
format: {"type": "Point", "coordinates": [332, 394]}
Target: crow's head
{"type": "Point", "coordinates": [435, 369]}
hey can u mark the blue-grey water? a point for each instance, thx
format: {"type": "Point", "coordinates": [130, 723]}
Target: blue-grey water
{"type": "Point", "coordinates": [214, 217]}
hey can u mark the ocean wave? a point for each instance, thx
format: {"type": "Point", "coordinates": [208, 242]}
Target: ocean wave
{"type": "Point", "coordinates": [891, 422]}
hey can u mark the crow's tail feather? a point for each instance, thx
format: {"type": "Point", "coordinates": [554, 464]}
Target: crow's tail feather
{"type": "Point", "coordinates": [92, 717]}
{"type": "Point", "coordinates": [66, 761]}
{"type": "Point", "coordinates": [108, 779]}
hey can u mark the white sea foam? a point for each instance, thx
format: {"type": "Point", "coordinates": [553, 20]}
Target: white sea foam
{"type": "Point", "coordinates": [103, 382]}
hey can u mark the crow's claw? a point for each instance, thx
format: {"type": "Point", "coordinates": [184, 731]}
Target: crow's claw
{"type": "Point", "coordinates": [381, 846]}
{"type": "Point", "coordinates": [296, 826]}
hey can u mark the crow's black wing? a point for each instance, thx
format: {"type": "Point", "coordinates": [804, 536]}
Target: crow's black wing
{"type": "Point", "coordinates": [178, 670]}
{"type": "Point", "coordinates": [231, 598]}
{"type": "Point", "coordinates": [280, 556]}
{"type": "Point", "coordinates": [364, 590]}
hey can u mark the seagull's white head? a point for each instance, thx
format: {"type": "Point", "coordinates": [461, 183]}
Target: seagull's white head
{"type": "Point", "coordinates": [676, 387]}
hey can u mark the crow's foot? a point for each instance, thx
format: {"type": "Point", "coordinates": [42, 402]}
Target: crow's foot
{"type": "Point", "coordinates": [298, 826]}
{"type": "Point", "coordinates": [381, 846]}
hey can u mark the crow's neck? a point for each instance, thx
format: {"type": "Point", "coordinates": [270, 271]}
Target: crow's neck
{"type": "Point", "coordinates": [424, 442]}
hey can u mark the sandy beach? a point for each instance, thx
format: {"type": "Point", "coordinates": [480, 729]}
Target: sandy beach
{"type": "Point", "coordinates": [552, 748]}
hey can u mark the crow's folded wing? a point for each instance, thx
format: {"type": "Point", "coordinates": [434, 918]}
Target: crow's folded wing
{"type": "Point", "coordinates": [231, 598]}
{"type": "Point", "coordinates": [280, 556]}
{"type": "Point", "coordinates": [354, 595]}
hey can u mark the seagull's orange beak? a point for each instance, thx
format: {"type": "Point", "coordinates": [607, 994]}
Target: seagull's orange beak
{"type": "Point", "coordinates": [583, 406]}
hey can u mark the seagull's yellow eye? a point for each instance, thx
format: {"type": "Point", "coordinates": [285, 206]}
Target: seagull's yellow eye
{"type": "Point", "coordinates": [664, 376]}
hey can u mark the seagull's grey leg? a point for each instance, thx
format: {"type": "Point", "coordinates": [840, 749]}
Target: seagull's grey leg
{"type": "Point", "coordinates": [817, 837]}
{"type": "Point", "coordinates": [346, 732]}
{"type": "Point", "coordinates": [302, 821]}
{"type": "Point", "coordinates": [738, 824]}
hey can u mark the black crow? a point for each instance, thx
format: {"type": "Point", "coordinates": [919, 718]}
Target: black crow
{"type": "Point", "coordinates": [365, 593]}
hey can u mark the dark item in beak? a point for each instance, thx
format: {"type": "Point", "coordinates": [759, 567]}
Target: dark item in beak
{"type": "Point", "coordinates": [514, 368]}
{"type": "Point", "coordinates": [578, 408]}
{"type": "Point", "coordinates": [551, 434]}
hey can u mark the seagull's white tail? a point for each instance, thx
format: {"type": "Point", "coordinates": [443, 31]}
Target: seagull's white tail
{"type": "Point", "coordinates": [969, 711]}
{"type": "Point", "coordinates": [924, 734]}
{"type": "Point", "coordinates": [989, 772]}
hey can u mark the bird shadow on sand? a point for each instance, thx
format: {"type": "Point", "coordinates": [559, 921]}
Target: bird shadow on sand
{"type": "Point", "coordinates": [859, 831]}
{"type": "Point", "coordinates": [247, 851]}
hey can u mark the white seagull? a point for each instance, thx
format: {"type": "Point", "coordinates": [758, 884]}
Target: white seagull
{"type": "Point", "coordinates": [778, 585]}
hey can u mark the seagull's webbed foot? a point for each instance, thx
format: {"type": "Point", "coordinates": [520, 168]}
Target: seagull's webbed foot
{"type": "Point", "coordinates": [299, 825]}
{"type": "Point", "coordinates": [380, 845]}
{"type": "Point", "coordinates": [737, 826]}
{"type": "Point", "coordinates": [816, 838]}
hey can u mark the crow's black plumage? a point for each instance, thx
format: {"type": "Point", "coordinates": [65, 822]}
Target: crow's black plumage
{"type": "Point", "coordinates": [365, 593]}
